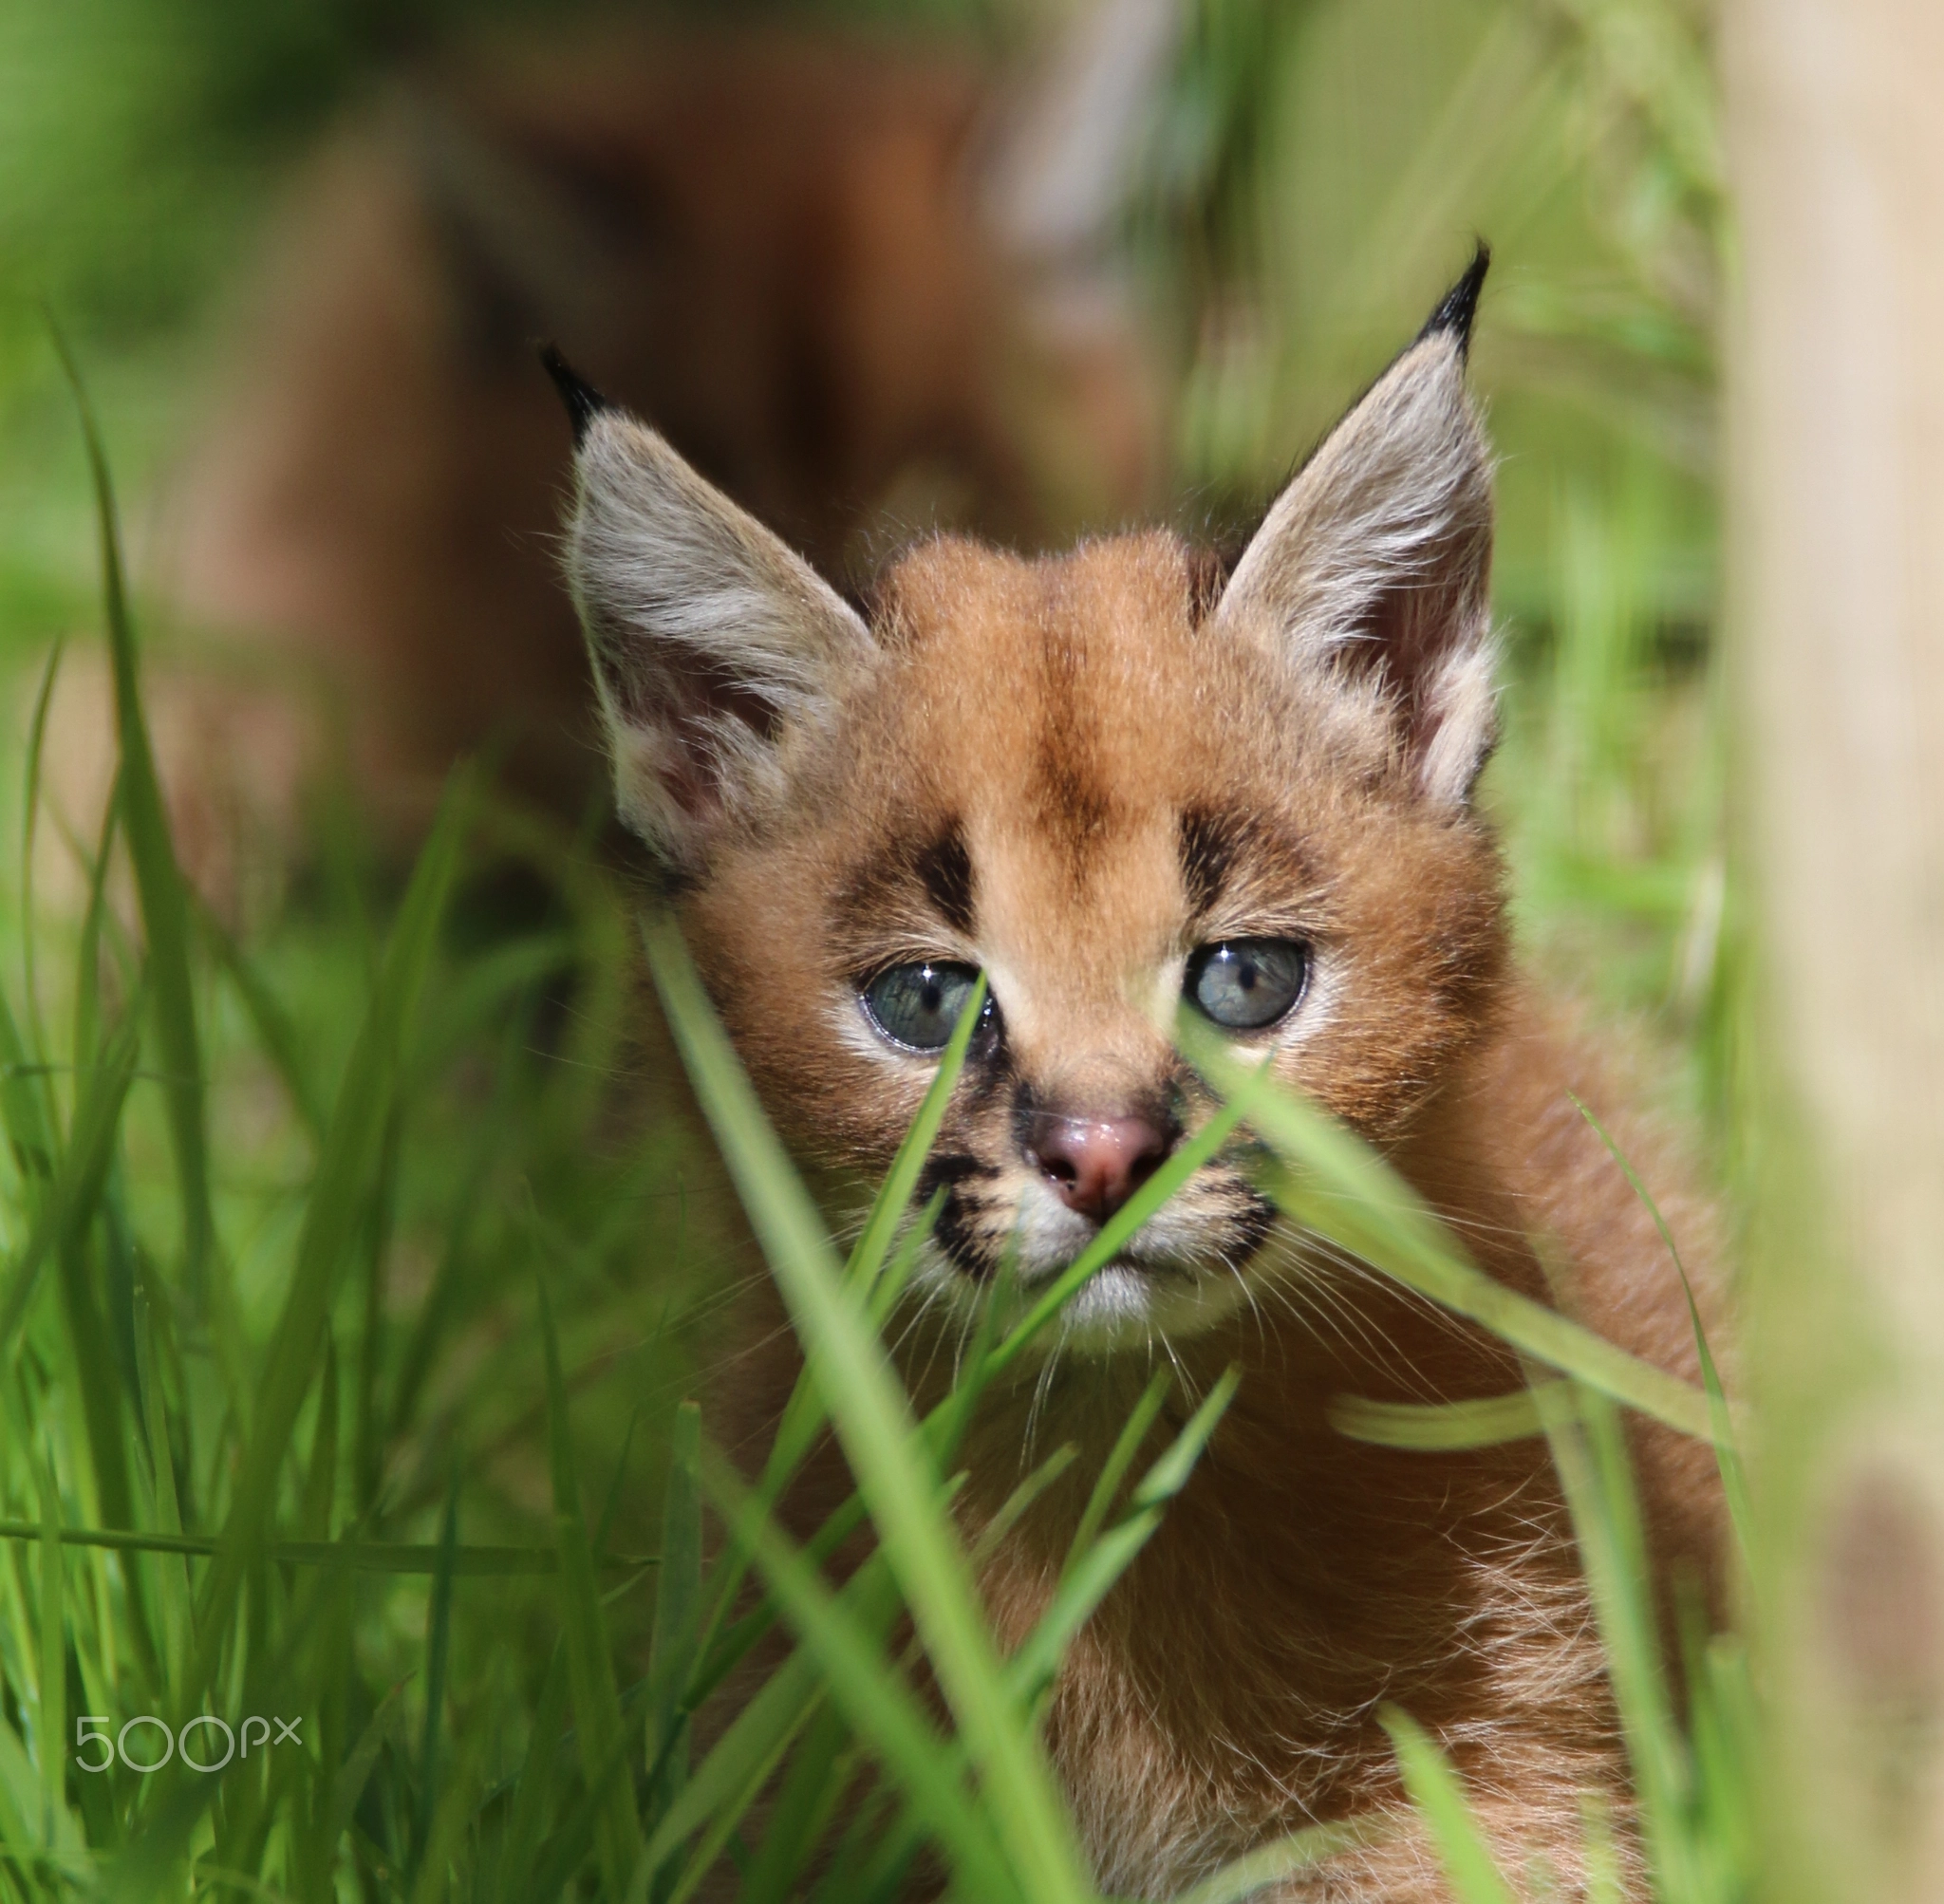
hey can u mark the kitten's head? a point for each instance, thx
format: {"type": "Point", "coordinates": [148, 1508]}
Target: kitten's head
{"type": "Point", "coordinates": [1110, 779]}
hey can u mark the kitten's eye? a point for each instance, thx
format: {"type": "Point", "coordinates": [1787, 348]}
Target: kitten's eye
{"type": "Point", "coordinates": [918, 1005]}
{"type": "Point", "coordinates": [1244, 984]}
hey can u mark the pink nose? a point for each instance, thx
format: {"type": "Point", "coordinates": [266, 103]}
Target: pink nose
{"type": "Point", "coordinates": [1095, 1164]}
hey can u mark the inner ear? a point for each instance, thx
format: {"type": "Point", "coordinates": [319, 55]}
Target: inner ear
{"type": "Point", "coordinates": [694, 705]}
{"type": "Point", "coordinates": [1409, 630]}
{"type": "Point", "coordinates": [712, 641]}
{"type": "Point", "coordinates": [1372, 568]}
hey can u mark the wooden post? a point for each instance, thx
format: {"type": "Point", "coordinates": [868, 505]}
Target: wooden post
{"type": "Point", "coordinates": [1836, 353]}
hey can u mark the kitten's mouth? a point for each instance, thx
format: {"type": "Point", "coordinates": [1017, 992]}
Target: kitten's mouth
{"type": "Point", "coordinates": [1176, 1247]}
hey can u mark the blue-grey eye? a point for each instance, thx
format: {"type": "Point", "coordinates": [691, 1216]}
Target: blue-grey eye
{"type": "Point", "coordinates": [918, 1005]}
{"type": "Point", "coordinates": [1244, 984]}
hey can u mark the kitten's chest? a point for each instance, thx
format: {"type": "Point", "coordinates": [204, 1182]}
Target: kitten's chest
{"type": "Point", "coordinates": [1227, 1690]}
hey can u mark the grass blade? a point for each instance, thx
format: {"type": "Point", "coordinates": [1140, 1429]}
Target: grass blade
{"type": "Point", "coordinates": [804, 1414]}
{"type": "Point", "coordinates": [810, 1791]}
{"type": "Point", "coordinates": [1486, 1421]}
{"type": "Point", "coordinates": [1440, 1799]}
{"type": "Point", "coordinates": [591, 1665]}
{"type": "Point", "coordinates": [274, 1030]}
{"type": "Point", "coordinates": [24, 1102]}
{"type": "Point", "coordinates": [172, 1573]}
{"type": "Point", "coordinates": [320, 1484]}
{"type": "Point", "coordinates": [823, 1765]}
{"type": "Point", "coordinates": [534, 1787]}
{"type": "Point", "coordinates": [351, 1557]}
{"type": "Point", "coordinates": [439, 1642]}
{"type": "Point", "coordinates": [741, 1762]}
{"type": "Point", "coordinates": [30, 812]}
{"type": "Point", "coordinates": [347, 1785]}
{"type": "Point", "coordinates": [336, 1205]}
{"type": "Point", "coordinates": [95, 923]}
{"type": "Point", "coordinates": [678, 1598]}
{"type": "Point", "coordinates": [1605, 1883]}
{"type": "Point", "coordinates": [447, 1825]}
{"type": "Point", "coordinates": [878, 1436]}
{"type": "Point", "coordinates": [50, 1729]}
{"type": "Point", "coordinates": [1590, 1451]}
{"type": "Point", "coordinates": [95, 1375]}
{"type": "Point", "coordinates": [1727, 1452]}
{"type": "Point", "coordinates": [157, 879]}
{"type": "Point", "coordinates": [1336, 1186]}
{"type": "Point", "coordinates": [875, 1701]}
{"type": "Point", "coordinates": [1090, 1573]}
{"type": "Point", "coordinates": [65, 1214]}
{"type": "Point", "coordinates": [1256, 1871]}
{"type": "Point", "coordinates": [1113, 1469]}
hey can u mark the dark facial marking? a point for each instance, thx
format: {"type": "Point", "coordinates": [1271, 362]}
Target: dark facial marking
{"type": "Point", "coordinates": [959, 1243]}
{"type": "Point", "coordinates": [953, 1170]}
{"type": "Point", "coordinates": [1249, 1225]}
{"type": "Point", "coordinates": [959, 1176]}
{"type": "Point", "coordinates": [899, 877]}
{"type": "Point", "coordinates": [989, 1059]}
{"type": "Point", "coordinates": [1221, 847]}
{"type": "Point", "coordinates": [944, 869]}
{"type": "Point", "coordinates": [1072, 802]}
{"type": "Point", "coordinates": [1208, 843]}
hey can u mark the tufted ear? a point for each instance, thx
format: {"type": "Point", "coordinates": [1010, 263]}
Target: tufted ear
{"type": "Point", "coordinates": [713, 644]}
{"type": "Point", "coordinates": [1373, 566]}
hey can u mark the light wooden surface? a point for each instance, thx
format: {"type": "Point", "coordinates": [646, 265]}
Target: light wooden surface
{"type": "Point", "coordinates": [1835, 470]}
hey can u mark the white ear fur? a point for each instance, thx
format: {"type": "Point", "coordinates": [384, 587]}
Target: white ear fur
{"type": "Point", "coordinates": [1375, 564]}
{"type": "Point", "coordinates": [712, 641]}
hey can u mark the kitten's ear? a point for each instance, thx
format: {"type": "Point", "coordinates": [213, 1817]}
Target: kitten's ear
{"type": "Point", "coordinates": [713, 644]}
{"type": "Point", "coordinates": [1375, 564]}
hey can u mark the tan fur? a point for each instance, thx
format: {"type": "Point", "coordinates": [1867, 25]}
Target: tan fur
{"type": "Point", "coordinates": [1119, 775]}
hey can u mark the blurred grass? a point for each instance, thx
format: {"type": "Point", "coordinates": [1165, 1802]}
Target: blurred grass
{"type": "Point", "coordinates": [369, 1369]}
{"type": "Point", "coordinates": [1311, 182]}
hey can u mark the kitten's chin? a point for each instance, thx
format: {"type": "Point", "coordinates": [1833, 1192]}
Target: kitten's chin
{"type": "Point", "coordinates": [1130, 1304]}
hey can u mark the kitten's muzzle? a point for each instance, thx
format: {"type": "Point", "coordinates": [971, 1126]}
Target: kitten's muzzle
{"type": "Point", "coordinates": [1095, 1164]}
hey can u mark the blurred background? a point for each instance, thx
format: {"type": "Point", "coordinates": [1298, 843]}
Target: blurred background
{"type": "Point", "coordinates": [1032, 269]}
{"type": "Point", "coordinates": [875, 266]}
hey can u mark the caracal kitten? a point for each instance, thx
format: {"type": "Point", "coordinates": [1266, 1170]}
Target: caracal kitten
{"type": "Point", "coordinates": [1112, 779]}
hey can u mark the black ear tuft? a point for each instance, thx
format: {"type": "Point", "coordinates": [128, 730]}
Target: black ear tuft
{"type": "Point", "coordinates": [584, 402]}
{"type": "Point", "coordinates": [1460, 304]}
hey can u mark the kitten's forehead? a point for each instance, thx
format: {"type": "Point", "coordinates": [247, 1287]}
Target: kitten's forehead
{"type": "Point", "coordinates": [1075, 697]}
{"type": "Point", "coordinates": [1053, 737]}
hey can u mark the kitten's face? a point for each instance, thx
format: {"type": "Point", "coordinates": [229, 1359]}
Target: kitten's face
{"type": "Point", "coordinates": [1060, 774]}
{"type": "Point", "coordinates": [1108, 781]}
